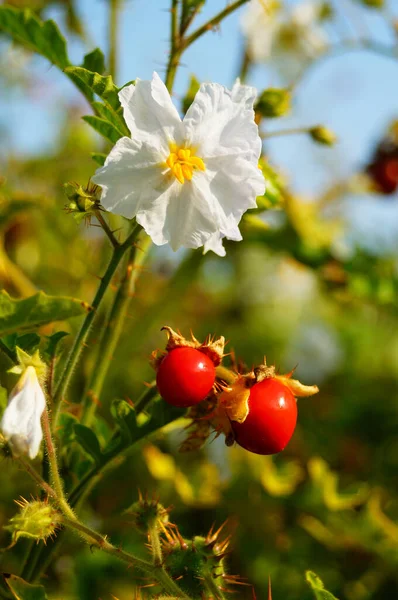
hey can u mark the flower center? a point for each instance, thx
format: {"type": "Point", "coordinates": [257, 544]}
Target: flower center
{"type": "Point", "coordinates": [182, 162]}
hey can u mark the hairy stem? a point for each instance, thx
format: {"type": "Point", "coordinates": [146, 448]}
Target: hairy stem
{"type": "Point", "coordinates": [281, 132]}
{"type": "Point", "coordinates": [114, 327]}
{"type": "Point", "coordinates": [81, 337]}
{"type": "Point", "coordinates": [164, 580]}
{"type": "Point", "coordinates": [156, 547]}
{"type": "Point", "coordinates": [37, 477]}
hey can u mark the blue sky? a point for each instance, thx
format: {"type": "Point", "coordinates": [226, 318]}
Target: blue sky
{"type": "Point", "coordinates": [356, 93]}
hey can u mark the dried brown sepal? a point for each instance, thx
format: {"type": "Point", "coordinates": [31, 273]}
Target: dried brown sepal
{"type": "Point", "coordinates": [233, 403]}
{"type": "Point", "coordinates": [200, 428]}
{"type": "Point", "coordinates": [213, 348]}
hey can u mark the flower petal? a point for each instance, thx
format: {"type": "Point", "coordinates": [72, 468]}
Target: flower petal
{"type": "Point", "coordinates": [131, 177]}
{"type": "Point", "coordinates": [148, 111]}
{"type": "Point", "coordinates": [219, 122]}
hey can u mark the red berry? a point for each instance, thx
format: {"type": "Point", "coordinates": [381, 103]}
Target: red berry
{"type": "Point", "coordinates": [185, 376]}
{"type": "Point", "coordinates": [271, 420]}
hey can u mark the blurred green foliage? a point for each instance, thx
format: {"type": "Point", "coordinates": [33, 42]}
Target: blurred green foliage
{"type": "Point", "coordinates": [328, 503]}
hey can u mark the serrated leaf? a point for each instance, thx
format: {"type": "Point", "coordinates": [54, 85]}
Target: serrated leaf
{"type": "Point", "coordinates": [23, 590]}
{"type": "Point", "coordinates": [100, 85]}
{"type": "Point", "coordinates": [99, 158]}
{"type": "Point", "coordinates": [40, 309]}
{"type": "Point", "coordinates": [88, 441]}
{"type": "Point", "coordinates": [40, 36]}
{"type": "Point", "coordinates": [94, 61]}
{"type": "Point", "coordinates": [317, 587]}
{"type": "Point", "coordinates": [103, 127]}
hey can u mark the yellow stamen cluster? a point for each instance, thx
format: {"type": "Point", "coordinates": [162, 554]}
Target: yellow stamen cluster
{"type": "Point", "coordinates": [182, 163]}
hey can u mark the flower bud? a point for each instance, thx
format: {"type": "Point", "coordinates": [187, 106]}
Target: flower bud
{"type": "Point", "coordinates": [323, 135]}
{"type": "Point", "coordinates": [148, 514]}
{"type": "Point", "coordinates": [373, 3]}
{"type": "Point", "coordinates": [36, 520]}
{"type": "Point", "coordinates": [82, 201]}
{"type": "Point", "coordinates": [20, 423]}
{"type": "Point", "coordinates": [274, 102]}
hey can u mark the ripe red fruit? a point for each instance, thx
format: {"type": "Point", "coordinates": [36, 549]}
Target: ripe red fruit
{"type": "Point", "coordinates": [185, 376]}
{"type": "Point", "coordinates": [271, 420]}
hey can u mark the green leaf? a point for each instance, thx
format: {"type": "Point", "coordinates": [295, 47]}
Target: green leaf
{"type": "Point", "coordinates": [40, 36]}
{"type": "Point", "coordinates": [100, 85]}
{"type": "Point", "coordinates": [40, 309]}
{"type": "Point", "coordinates": [99, 158]}
{"type": "Point", "coordinates": [23, 590]}
{"type": "Point", "coordinates": [317, 587]}
{"type": "Point", "coordinates": [53, 341]}
{"type": "Point", "coordinates": [131, 432]}
{"type": "Point", "coordinates": [107, 113]}
{"type": "Point", "coordinates": [106, 129]}
{"type": "Point", "coordinates": [66, 428]}
{"type": "Point", "coordinates": [88, 441]}
{"type": "Point", "coordinates": [94, 61]}
{"type": "Point", "coordinates": [27, 341]}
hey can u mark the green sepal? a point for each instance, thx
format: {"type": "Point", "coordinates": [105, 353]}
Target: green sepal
{"type": "Point", "coordinates": [317, 587]}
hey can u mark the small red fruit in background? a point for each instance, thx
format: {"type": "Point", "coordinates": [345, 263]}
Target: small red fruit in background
{"type": "Point", "coordinates": [185, 376]}
{"type": "Point", "coordinates": [271, 419]}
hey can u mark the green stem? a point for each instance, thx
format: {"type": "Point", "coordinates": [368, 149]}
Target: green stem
{"type": "Point", "coordinates": [114, 327]}
{"type": "Point", "coordinates": [213, 22]}
{"type": "Point", "coordinates": [35, 475]}
{"type": "Point", "coordinates": [281, 132]}
{"type": "Point", "coordinates": [54, 470]}
{"type": "Point", "coordinates": [106, 229]}
{"type": "Point", "coordinates": [146, 398]}
{"type": "Point", "coordinates": [101, 541]}
{"type": "Point", "coordinates": [156, 546]}
{"type": "Point", "coordinates": [81, 337]}
{"type": "Point", "coordinates": [113, 37]}
{"type": "Point", "coordinates": [213, 588]}
{"type": "Point", "coordinates": [175, 49]}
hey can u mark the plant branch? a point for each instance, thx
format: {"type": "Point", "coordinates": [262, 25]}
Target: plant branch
{"type": "Point", "coordinates": [37, 477]}
{"type": "Point", "coordinates": [113, 37]}
{"type": "Point", "coordinates": [81, 337]}
{"type": "Point", "coordinates": [175, 46]}
{"type": "Point", "coordinates": [281, 132]}
{"type": "Point", "coordinates": [164, 580]}
{"type": "Point", "coordinates": [213, 22]}
{"type": "Point", "coordinates": [114, 327]}
{"type": "Point", "coordinates": [106, 229]}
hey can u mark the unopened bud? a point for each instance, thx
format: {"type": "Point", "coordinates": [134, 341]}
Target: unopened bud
{"type": "Point", "coordinates": [148, 514]}
{"type": "Point", "coordinates": [323, 135]}
{"type": "Point", "coordinates": [274, 102]}
{"type": "Point", "coordinates": [373, 3]}
{"type": "Point", "coordinates": [82, 201]}
{"type": "Point", "coordinates": [36, 520]}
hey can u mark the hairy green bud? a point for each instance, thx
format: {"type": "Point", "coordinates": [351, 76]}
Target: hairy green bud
{"type": "Point", "coordinates": [36, 520]}
{"type": "Point", "coordinates": [148, 514]}
{"type": "Point", "coordinates": [323, 135]}
{"type": "Point", "coordinates": [274, 102]}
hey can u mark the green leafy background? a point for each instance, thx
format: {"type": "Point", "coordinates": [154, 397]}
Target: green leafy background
{"type": "Point", "coordinates": [328, 503]}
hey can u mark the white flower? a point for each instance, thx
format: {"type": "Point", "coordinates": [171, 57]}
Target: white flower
{"type": "Point", "coordinates": [184, 181]}
{"type": "Point", "coordinates": [21, 419]}
{"type": "Point", "coordinates": [287, 38]}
